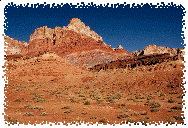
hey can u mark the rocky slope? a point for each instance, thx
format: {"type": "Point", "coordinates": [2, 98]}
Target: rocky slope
{"type": "Point", "coordinates": [15, 47]}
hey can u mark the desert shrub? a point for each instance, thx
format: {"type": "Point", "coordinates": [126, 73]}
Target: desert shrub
{"type": "Point", "coordinates": [171, 110]}
{"type": "Point", "coordinates": [143, 113]}
{"type": "Point", "coordinates": [172, 92]}
{"type": "Point", "coordinates": [117, 96]}
{"type": "Point", "coordinates": [150, 97]}
{"type": "Point", "coordinates": [28, 114]}
{"type": "Point", "coordinates": [123, 104]}
{"type": "Point", "coordinates": [87, 87]}
{"type": "Point", "coordinates": [125, 110]}
{"type": "Point", "coordinates": [130, 120]}
{"type": "Point", "coordinates": [40, 100]}
{"type": "Point", "coordinates": [84, 112]}
{"type": "Point", "coordinates": [111, 100]}
{"type": "Point", "coordinates": [154, 110]}
{"type": "Point", "coordinates": [43, 114]}
{"type": "Point", "coordinates": [12, 120]}
{"type": "Point", "coordinates": [161, 94]}
{"type": "Point", "coordinates": [171, 120]}
{"type": "Point", "coordinates": [78, 119]}
{"type": "Point", "coordinates": [179, 117]}
{"type": "Point", "coordinates": [72, 100]}
{"type": "Point", "coordinates": [93, 117]}
{"type": "Point", "coordinates": [97, 97]}
{"type": "Point", "coordinates": [180, 96]}
{"type": "Point", "coordinates": [144, 121]}
{"type": "Point", "coordinates": [67, 111]}
{"type": "Point", "coordinates": [66, 107]}
{"type": "Point", "coordinates": [135, 100]}
{"type": "Point", "coordinates": [33, 93]}
{"type": "Point", "coordinates": [81, 95]}
{"type": "Point", "coordinates": [153, 104]}
{"type": "Point", "coordinates": [87, 102]}
{"type": "Point", "coordinates": [134, 114]}
{"type": "Point", "coordinates": [103, 120]}
{"type": "Point", "coordinates": [17, 100]}
{"type": "Point", "coordinates": [99, 101]}
{"type": "Point", "coordinates": [28, 107]}
{"type": "Point", "coordinates": [171, 101]}
{"type": "Point", "coordinates": [180, 102]}
{"type": "Point", "coordinates": [177, 107]}
{"type": "Point", "coordinates": [140, 97]}
{"type": "Point", "coordinates": [125, 115]}
{"type": "Point", "coordinates": [130, 98]}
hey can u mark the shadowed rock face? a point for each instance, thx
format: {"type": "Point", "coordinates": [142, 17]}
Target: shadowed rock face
{"type": "Point", "coordinates": [77, 43]}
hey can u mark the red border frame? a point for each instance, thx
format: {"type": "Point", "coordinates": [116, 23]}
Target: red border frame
{"type": "Point", "coordinates": [3, 81]}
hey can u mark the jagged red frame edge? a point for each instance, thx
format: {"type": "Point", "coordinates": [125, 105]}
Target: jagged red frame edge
{"type": "Point", "coordinates": [33, 3]}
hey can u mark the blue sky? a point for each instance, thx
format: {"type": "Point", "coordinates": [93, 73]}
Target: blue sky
{"type": "Point", "coordinates": [133, 28]}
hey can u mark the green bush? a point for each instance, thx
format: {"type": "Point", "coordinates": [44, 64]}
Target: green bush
{"type": "Point", "coordinates": [28, 107]}
{"type": "Point", "coordinates": [67, 111]}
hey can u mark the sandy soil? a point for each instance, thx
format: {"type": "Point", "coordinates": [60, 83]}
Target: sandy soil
{"type": "Point", "coordinates": [51, 89]}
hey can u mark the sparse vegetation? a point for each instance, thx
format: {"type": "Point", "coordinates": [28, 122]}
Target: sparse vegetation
{"type": "Point", "coordinates": [178, 117]}
{"type": "Point", "coordinates": [103, 120]}
{"type": "Point", "coordinates": [177, 107]}
{"type": "Point", "coordinates": [28, 107]}
{"type": "Point", "coordinates": [93, 117]}
{"type": "Point", "coordinates": [171, 120]}
{"type": "Point", "coordinates": [43, 114]}
{"type": "Point", "coordinates": [130, 120]}
{"type": "Point", "coordinates": [68, 111]}
{"type": "Point", "coordinates": [87, 102]}
{"type": "Point", "coordinates": [171, 101]}
{"type": "Point", "coordinates": [79, 119]}
{"type": "Point", "coordinates": [12, 120]}
{"type": "Point", "coordinates": [134, 114]}
{"type": "Point", "coordinates": [154, 110]}
{"type": "Point", "coordinates": [143, 113]}
{"type": "Point", "coordinates": [144, 121]}
{"type": "Point", "coordinates": [153, 104]}
{"type": "Point", "coordinates": [28, 114]}
{"type": "Point", "coordinates": [125, 115]}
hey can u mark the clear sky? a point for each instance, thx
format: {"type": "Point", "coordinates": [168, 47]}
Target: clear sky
{"type": "Point", "coordinates": [133, 28]}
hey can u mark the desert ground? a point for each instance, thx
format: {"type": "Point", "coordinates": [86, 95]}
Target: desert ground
{"type": "Point", "coordinates": [49, 88]}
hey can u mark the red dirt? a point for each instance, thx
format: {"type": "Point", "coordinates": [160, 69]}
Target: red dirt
{"type": "Point", "coordinates": [56, 83]}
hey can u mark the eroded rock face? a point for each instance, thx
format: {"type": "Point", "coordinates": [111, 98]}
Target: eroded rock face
{"type": "Point", "coordinates": [153, 49]}
{"type": "Point", "coordinates": [78, 26]}
{"type": "Point", "coordinates": [76, 43]}
{"type": "Point", "coordinates": [15, 47]}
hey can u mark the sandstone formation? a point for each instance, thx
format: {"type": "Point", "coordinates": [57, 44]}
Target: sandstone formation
{"type": "Point", "coordinates": [76, 43]}
{"type": "Point", "coordinates": [79, 27]}
{"type": "Point", "coordinates": [153, 49]}
{"type": "Point", "coordinates": [15, 47]}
